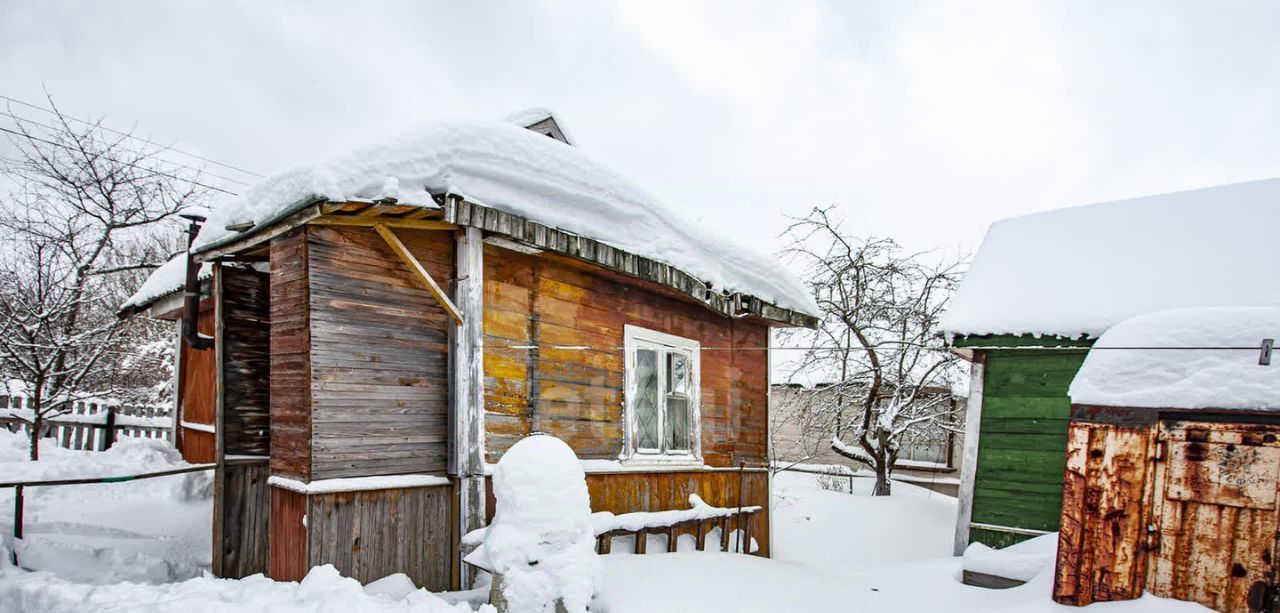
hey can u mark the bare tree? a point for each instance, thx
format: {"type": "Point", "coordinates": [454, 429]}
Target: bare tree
{"type": "Point", "coordinates": [79, 227]}
{"type": "Point", "coordinates": [877, 342]}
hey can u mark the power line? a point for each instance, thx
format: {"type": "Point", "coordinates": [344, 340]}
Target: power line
{"type": "Point", "coordinates": [819, 348]}
{"type": "Point", "coordinates": [126, 134]}
{"type": "Point", "coordinates": [170, 162]}
{"type": "Point", "coordinates": [151, 170]}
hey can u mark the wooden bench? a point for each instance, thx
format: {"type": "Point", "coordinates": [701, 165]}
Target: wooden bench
{"type": "Point", "coordinates": [699, 528]}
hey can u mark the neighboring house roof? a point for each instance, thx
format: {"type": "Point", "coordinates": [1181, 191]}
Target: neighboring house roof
{"type": "Point", "coordinates": [1202, 378]}
{"type": "Point", "coordinates": [521, 172]}
{"type": "Point", "coordinates": [1078, 271]}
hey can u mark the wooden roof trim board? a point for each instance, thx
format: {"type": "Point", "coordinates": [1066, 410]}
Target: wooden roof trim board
{"type": "Point", "coordinates": [457, 212]}
{"type": "Point", "coordinates": [546, 238]}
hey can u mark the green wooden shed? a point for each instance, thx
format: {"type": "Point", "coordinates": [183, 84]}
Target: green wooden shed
{"type": "Point", "coordinates": [1043, 287]}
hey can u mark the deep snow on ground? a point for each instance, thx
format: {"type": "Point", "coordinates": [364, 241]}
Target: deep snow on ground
{"type": "Point", "coordinates": [152, 531]}
{"type": "Point", "coordinates": [828, 529]}
{"type": "Point", "coordinates": [834, 551]}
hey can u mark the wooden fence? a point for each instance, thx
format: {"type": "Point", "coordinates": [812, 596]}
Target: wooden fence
{"type": "Point", "coordinates": [91, 425]}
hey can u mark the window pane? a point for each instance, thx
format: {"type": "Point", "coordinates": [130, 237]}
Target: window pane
{"type": "Point", "coordinates": [677, 425]}
{"type": "Point", "coordinates": [677, 373]}
{"type": "Point", "coordinates": [646, 403]}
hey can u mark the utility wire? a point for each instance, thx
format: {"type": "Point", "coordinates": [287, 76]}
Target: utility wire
{"type": "Point", "coordinates": [126, 134]}
{"type": "Point", "coordinates": [151, 170]}
{"type": "Point", "coordinates": [943, 349]}
{"type": "Point", "coordinates": [170, 162]}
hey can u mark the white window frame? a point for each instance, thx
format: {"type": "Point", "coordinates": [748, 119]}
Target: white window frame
{"type": "Point", "coordinates": [636, 337]}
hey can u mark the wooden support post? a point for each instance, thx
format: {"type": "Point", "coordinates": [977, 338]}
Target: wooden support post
{"type": "Point", "coordinates": [673, 539]}
{"type": "Point", "coordinates": [969, 466]}
{"type": "Point", "coordinates": [109, 437]}
{"type": "Point", "coordinates": [745, 520]}
{"type": "Point", "coordinates": [701, 536]}
{"type": "Point", "coordinates": [466, 415]}
{"type": "Point", "coordinates": [407, 256]}
{"type": "Point", "coordinates": [642, 541]}
{"type": "Point", "coordinates": [17, 520]}
{"type": "Point", "coordinates": [724, 533]}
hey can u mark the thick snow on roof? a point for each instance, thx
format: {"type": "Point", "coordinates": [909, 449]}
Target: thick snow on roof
{"type": "Point", "coordinates": [1080, 270]}
{"type": "Point", "coordinates": [506, 167]}
{"type": "Point", "coordinates": [1184, 378]}
{"type": "Point", "coordinates": [168, 278]}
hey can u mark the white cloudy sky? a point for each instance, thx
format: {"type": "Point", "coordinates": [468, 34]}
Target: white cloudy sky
{"type": "Point", "coordinates": [923, 121]}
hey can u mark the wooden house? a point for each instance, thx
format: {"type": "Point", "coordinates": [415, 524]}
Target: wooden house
{"type": "Point", "coordinates": [1173, 463]}
{"type": "Point", "coordinates": [1040, 292]}
{"type": "Point", "coordinates": [385, 325]}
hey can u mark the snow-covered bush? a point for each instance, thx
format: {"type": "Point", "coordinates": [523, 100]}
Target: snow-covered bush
{"type": "Point", "coordinates": [833, 479]}
{"type": "Point", "coordinates": [541, 543]}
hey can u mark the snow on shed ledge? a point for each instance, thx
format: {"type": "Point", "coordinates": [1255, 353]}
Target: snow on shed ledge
{"type": "Point", "coordinates": [1078, 271]}
{"type": "Point", "coordinates": [509, 168]}
{"type": "Point", "coordinates": [1183, 378]}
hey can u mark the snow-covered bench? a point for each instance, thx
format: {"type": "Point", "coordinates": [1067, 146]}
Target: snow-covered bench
{"type": "Point", "coordinates": [699, 520]}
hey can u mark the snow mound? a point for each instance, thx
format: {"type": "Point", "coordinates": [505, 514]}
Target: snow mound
{"type": "Point", "coordinates": [323, 589]}
{"type": "Point", "coordinates": [1184, 378]}
{"type": "Point", "coordinates": [1022, 561]}
{"type": "Point", "coordinates": [541, 541]}
{"type": "Point", "coordinates": [1078, 271]}
{"type": "Point", "coordinates": [501, 165]}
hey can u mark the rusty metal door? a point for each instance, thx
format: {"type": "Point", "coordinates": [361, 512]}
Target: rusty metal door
{"type": "Point", "coordinates": [1212, 534]}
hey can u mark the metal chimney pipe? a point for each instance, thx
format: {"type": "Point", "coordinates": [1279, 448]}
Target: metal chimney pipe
{"type": "Point", "coordinates": [191, 291]}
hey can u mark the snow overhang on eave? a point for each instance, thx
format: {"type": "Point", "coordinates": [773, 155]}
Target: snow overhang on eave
{"type": "Point", "coordinates": [522, 231]}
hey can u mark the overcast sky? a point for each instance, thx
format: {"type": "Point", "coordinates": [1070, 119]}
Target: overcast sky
{"type": "Point", "coordinates": [923, 121]}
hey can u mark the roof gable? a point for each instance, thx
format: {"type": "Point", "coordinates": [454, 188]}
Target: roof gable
{"type": "Point", "coordinates": [542, 121]}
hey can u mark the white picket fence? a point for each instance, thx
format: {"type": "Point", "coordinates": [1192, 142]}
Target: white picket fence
{"type": "Point", "coordinates": [93, 424]}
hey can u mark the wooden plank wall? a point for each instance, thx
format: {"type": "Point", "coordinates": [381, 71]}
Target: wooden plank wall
{"type": "Point", "coordinates": [379, 354]}
{"type": "Point", "coordinates": [246, 351]}
{"type": "Point", "coordinates": [577, 395]}
{"type": "Point", "coordinates": [244, 506]}
{"type": "Point", "coordinates": [1103, 525]}
{"type": "Point", "coordinates": [1022, 454]}
{"type": "Point", "coordinates": [198, 394]}
{"type": "Point", "coordinates": [287, 547]}
{"type": "Point", "coordinates": [290, 387]}
{"type": "Point", "coordinates": [369, 535]}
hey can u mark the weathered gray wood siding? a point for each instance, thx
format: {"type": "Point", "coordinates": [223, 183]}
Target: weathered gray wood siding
{"type": "Point", "coordinates": [378, 354]}
{"type": "Point", "coordinates": [290, 357]}
{"type": "Point", "coordinates": [246, 361]}
{"type": "Point", "coordinates": [244, 506]}
{"type": "Point", "coordinates": [369, 535]}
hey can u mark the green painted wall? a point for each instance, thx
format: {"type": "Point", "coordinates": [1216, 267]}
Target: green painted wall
{"type": "Point", "coordinates": [1022, 444]}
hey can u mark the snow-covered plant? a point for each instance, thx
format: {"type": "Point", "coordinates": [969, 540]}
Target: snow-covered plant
{"type": "Point", "coordinates": [541, 542]}
{"type": "Point", "coordinates": [78, 226]}
{"type": "Point", "coordinates": [877, 342]}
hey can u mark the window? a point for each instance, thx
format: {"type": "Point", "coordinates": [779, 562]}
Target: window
{"type": "Point", "coordinates": [662, 421]}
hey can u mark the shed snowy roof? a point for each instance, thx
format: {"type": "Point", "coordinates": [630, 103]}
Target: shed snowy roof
{"type": "Point", "coordinates": [1183, 378]}
{"type": "Point", "coordinates": [509, 168]}
{"type": "Point", "coordinates": [165, 280]}
{"type": "Point", "coordinates": [1078, 271]}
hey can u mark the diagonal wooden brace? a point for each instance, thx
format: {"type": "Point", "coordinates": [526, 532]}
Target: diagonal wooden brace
{"type": "Point", "coordinates": [406, 255]}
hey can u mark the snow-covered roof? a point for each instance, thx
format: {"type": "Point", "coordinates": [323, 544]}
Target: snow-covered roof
{"type": "Point", "coordinates": [531, 117]}
{"type": "Point", "coordinates": [1078, 271]}
{"type": "Point", "coordinates": [509, 168]}
{"type": "Point", "coordinates": [1184, 378]}
{"type": "Point", "coordinates": [165, 280]}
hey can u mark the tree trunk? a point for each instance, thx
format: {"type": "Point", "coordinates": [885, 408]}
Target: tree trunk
{"type": "Point", "coordinates": [884, 486]}
{"type": "Point", "coordinates": [37, 424]}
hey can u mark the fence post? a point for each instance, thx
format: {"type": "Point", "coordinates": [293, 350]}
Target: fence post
{"type": "Point", "coordinates": [17, 521]}
{"type": "Point", "coordinates": [851, 481]}
{"type": "Point", "coordinates": [110, 435]}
